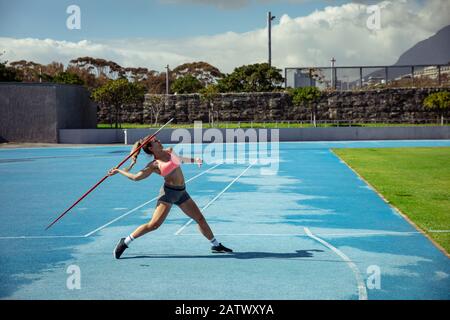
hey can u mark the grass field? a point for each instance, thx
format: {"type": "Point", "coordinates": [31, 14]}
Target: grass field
{"type": "Point", "coordinates": [415, 180]}
{"type": "Point", "coordinates": [285, 124]}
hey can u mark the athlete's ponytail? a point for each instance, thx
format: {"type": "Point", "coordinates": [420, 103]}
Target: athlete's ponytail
{"type": "Point", "coordinates": [136, 145]}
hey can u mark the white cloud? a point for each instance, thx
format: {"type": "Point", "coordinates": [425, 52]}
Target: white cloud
{"type": "Point", "coordinates": [338, 31]}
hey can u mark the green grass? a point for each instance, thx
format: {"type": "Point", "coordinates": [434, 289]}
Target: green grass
{"type": "Point", "coordinates": [415, 180]}
{"type": "Point", "coordinates": [269, 125]}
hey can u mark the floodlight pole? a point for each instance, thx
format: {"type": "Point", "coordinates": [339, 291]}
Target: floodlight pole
{"type": "Point", "coordinates": [269, 25]}
{"type": "Point", "coordinates": [333, 73]}
{"type": "Point", "coordinates": [167, 80]}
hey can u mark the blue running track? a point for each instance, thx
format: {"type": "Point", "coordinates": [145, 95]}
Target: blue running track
{"type": "Point", "coordinates": [313, 230]}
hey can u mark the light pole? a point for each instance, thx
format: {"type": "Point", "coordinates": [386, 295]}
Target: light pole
{"type": "Point", "coordinates": [333, 73]}
{"type": "Point", "coordinates": [167, 79]}
{"type": "Point", "coordinates": [269, 24]}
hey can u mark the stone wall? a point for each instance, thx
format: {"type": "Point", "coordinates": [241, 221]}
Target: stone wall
{"type": "Point", "coordinates": [390, 105]}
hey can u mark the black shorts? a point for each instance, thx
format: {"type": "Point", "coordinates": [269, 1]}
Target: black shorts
{"type": "Point", "coordinates": [173, 194]}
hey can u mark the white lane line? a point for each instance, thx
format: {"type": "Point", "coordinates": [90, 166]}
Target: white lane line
{"type": "Point", "coordinates": [120, 217]}
{"type": "Point", "coordinates": [439, 231]}
{"type": "Point", "coordinates": [215, 198]}
{"type": "Point", "coordinates": [362, 291]}
{"type": "Point", "coordinates": [144, 204]}
{"type": "Point", "coordinates": [344, 234]}
{"type": "Point", "coordinates": [39, 237]}
{"type": "Point", "coordinates": [349, 234]}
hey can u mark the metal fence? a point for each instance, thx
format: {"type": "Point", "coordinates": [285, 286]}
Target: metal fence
{"type": "Point", "coordinates": [306, 123]}
{"type": "Point", "coordinates": [368, 77]}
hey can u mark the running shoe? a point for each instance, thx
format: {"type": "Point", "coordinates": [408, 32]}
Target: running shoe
{"type": "Point", "coordinates": [220, 249]}
{"type": "Point", "coordinates": [120, 248]}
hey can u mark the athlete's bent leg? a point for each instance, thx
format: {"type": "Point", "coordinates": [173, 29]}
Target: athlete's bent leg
{"type": "Point", "coordinates": [159, 215]}
{"type": "Point", "coordinates": [191, 209]}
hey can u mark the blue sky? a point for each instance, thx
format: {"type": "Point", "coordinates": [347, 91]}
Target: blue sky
{"type": "Point", "coordinates": [103, 19]}
{"type": "Point", "coordinates": [224, 33]}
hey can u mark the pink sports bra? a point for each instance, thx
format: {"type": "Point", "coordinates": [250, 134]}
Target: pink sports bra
{"type": "Point", "coordinates": [167, 167]}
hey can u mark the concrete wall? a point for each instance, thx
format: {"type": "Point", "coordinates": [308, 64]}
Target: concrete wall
{"type": "Point", "coordinates": [100, 136]}
{"type": "Point", "coordinates": [34, 112]}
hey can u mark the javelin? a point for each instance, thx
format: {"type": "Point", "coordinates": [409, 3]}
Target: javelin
{"type": "Point", "coordinates": [104, 178]}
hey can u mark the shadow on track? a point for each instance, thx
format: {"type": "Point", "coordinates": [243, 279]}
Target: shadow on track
{"type": "Point", "coordinates": [234, 255]}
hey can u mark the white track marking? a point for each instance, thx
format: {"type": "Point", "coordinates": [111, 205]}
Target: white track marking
{"type": "Point", "coordinates": [439, 231]}
{"type": "Point", "coordinates": [215, 198]}
{"type": "Point", "coordinates": [40, 237]}
{"type": "Point", "coordinates": [343, 234]}
{"type": "Point", "coordinates": [362, 291]}
{"type": "Point", "coordinates": [144, 204]}
{"type": "Point", "coordinates": [120, 217]}
{"type": "Point", "coordinates": [349, 234]}
{"type": "Point", "coordinates": [396, 210]}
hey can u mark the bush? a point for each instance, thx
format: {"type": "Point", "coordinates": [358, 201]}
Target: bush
{"type": "Point", "coordinates": [186, 84]}
{"type": "Point", "coordinates": [438, 101]}
{"type": "Point", "coordinates": [117, 93]}
{"type": "Point", "coordinates": [7, 74]}
{"type": "Point", "coordinates": [307, 95]}
{"type": "Point", "coordinates": [258, 77]}
{"type": "Point", "coordinates": [67, 78]}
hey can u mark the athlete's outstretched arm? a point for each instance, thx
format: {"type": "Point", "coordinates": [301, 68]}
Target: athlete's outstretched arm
{"type": "Point", "coordinates": [198, 161]}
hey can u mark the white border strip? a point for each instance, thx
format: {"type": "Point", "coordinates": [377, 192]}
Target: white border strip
{"type": "Point", "coordinates": [144, 204]}
{"type": "Point", "coordinates": [400, 213]}
{"type": "Point", "coordinates": [362, 291]}
{"type": "Point", "coordinates": [215, 198]}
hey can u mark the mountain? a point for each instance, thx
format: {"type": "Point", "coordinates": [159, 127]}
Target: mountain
{"type": "Point", "coordinates": [434, 50]}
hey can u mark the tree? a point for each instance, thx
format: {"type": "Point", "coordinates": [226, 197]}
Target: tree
{"type": "Point", "coordinates": [7, 73]}
{"type": "Point", "coordinates": [186, 84]}
{"type": "Point", "coordinates": [116, 94]}
{"type": "Point", "coordinates": [138, 74]}
{"type": "Point", "coordinates": [202, 71]}
{"type": "Point", "coordinates": [207, 95]}
{"type": "Point", "coordinates": [258, 77]}
{"type": "Point", "coordinates": [27, 71]}
{"type": "Point", "coordinates": [52, 69]}
{"type": "Point", "coordinates": [88, 78]}
{"type": "Point", "coordinates": [156, 104]}
{"type": "Point", "coordinates": [156, 83]}
{"type": "Point", "coordinates": [101, 68]}
{"type": "Point", "coordinates": [68, 78]}
{"type": "Point", "coordinates": [439, 101]}
{"type": "Point", "coordinates": [309, 96]}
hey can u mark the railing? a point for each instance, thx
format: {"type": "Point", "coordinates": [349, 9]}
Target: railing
{"type": "Point", "coordinates": [368, 77]}
{"type": "Point", "coordinates": [324, 123]}
{"type": "Point", "coordinates": [295, 124]}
